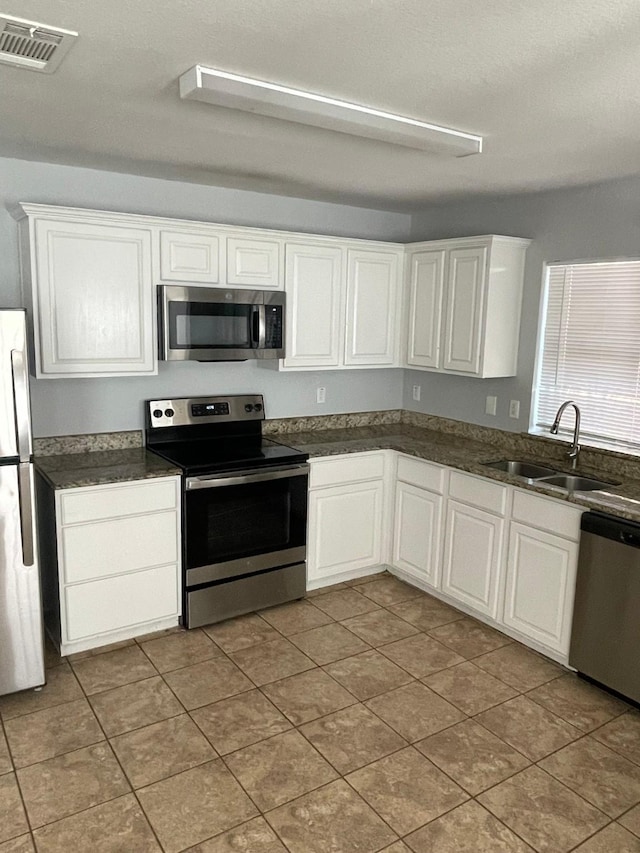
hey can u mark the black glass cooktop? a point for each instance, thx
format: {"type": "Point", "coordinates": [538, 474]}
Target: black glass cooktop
{"type": "Point", "coordinates": [211, 456]}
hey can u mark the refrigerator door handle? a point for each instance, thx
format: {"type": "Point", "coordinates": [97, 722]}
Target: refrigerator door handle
{"type": "Point", "coordinates": [21, 404]}
{"type": "Point", "coordinates": [25, 497]}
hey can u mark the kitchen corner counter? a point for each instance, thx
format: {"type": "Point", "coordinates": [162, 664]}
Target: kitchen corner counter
{"type": "Point", "coordinates": [100, 467]}
{"type": "Point", "coordinates": [465, 454]}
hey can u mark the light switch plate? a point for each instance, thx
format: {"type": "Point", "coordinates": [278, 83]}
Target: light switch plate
{"type": "Point", "coordinates": [491, 405]}
{"type": "Point", "coordinates": [514, 409]}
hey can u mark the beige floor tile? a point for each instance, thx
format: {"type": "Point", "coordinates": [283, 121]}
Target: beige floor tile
{"type": "Point", "coordinates": [351, 738]}
{"type": "Point", "coordinates": [631, 820]}
{"type": "Point", "coordinates": [5, 759]}
{"type": "Point", "coordinates": [470, 688]}
{"type": "Point", "coordinates": [379, 627]}
{"type": "Point", "coordinates": [240, 721]}
{"type": "Point", "coordinates": [519, 667]}
{"type": "Point", "coordinates": [421, 655]}
{"type": "Point", "coordinates": [623, 735]}
{"type": "Point", "coordinates": [52, 656]}
{"type": "Point", "coordinates": [113, 827]}
{"type": "Point", "coordinates": [135, 705]}
{"type": "Point", "coordinates": [414, 711]}
{"type": "Point", "coordinates": [597, 773]}
{"type": "Point", "coordinates": [334, 818]}
{"type": "Point", "coordinates": [611, 839]}
{"type": "Point", "coordinates": [426, 612]}
{"type": "Point", "coordinates": [241, 633]}
{"type": "Point", "coordinates": [162, 749]}
{"type": "Point", "coordinates": [389, 590]}
{"type": "Point", "coordinates": [182, 648]}
{"type": "Point", "coordinates": [329, 643]}
{"type": "Point", "coordinates": [367, 578]}
{"type": "Point", "coordinates": [467, 829]}
{"type": "Point", "coordinates": [61, 687]}
{"type": "Point", "coordinates": [113, 669]}
{"type": "Point", "coordinates": [578, 702]}
{"type": "Point", "coordinates": [308, 695]}
{"type": "Point", "coordinates": [398, 847]}
{"type": "Point", "coordinates": [277, 770]}
{"type": "Point", "coordinates": [474, 757]}
{"type": "Point", "coordinates": [542, 811]}
{"type": "Point", "coordinates": [531, 729]}
{"type": "Point", "coordinates": [469, 637]}
{"type": "Point", "coordinates": [195, 805]}
{"type": "Point", "coordinates": [13, 821]}
{"type": "Point", "coordinates": [323, 590]}
{"type": "Point", "coordinates": [256, 836]}
{"type": "Point", "coordinates": [271, 661]}
{"type": "Point", "coordinates": [295, 617]}
{"type": "Point", "coordinates": [343, 603]}
{"type": "Point", "coordinates": [368, 674]}
{"type": "Point", "coordinates": [23, 844]}
{"type": "Point", "coordinates": [406, 790]}
{"type": "Point", "coordinates": [100, 650]}
{"type": "Point", "coordinates": [206, 682]}
{"type": "Point", "coordinates": [61, 786]}
{"type": "Point", "coordinates": [53, 731]}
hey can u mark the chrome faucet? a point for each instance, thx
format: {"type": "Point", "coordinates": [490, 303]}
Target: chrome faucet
{"type": "Point", "coordinates": [574, 450]}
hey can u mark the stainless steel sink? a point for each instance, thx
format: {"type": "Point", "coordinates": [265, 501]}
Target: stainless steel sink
{"type": "Point", "coordinates": [573, 483]}
{"type": "Point", "coordinates": [518, 468]}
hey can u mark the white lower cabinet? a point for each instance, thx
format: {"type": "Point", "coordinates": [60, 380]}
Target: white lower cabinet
{"type": "Point", "coordinates": [117, 571]}
{"type": "Point", "coordinates": [346, 517]}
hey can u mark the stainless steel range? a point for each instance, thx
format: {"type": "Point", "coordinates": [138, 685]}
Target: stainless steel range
{"type": "Point", "coordinates": [244, 505]}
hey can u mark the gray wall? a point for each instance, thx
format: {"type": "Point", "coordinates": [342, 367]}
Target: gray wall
{"type": "Point", "coordinates": [91, 405]}
{"type": "Point", "coordinates": [600, 221]}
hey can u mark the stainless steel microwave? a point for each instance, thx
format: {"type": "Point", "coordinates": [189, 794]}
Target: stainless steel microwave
{"type": "Point", "coordinates": [216, 324]}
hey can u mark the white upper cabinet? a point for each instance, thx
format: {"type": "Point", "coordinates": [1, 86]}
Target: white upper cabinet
{"type": "Point", "coordinates": [254, 263]}
{"type": "Point", "coordinates": [464, 305]}
{"type": "Point", "coordinates": [191, 256]}
{"type": "Point", "coordinates": [89, 287]}
{"type": "Point", "coordinates": [314, 309]}
{"type": "Point", "coordinates": [372, 309]}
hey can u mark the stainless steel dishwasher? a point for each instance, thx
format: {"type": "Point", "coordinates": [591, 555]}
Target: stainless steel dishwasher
{"type": "Point", "coordinates": [605, 635]}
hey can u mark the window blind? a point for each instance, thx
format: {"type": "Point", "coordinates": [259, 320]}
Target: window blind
{"type": "Point", "coordinates": [591, 349]}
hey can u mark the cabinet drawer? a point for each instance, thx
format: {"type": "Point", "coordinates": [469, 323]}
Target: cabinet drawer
{"type": "Point", "coordinates": [119, 545]}
{"type": "Point", "coordinates": [478, 492]}
{"type": "Point", "coordinates": [80, 505]}
{"type": "Point", "coordinates": [547, 514]}
{"type": "Point", "coordinates": [113, 603]}
{"type": "Point", "coordinates": [346, 469]}
{"type": "Point", "coordinates": [425, 475]}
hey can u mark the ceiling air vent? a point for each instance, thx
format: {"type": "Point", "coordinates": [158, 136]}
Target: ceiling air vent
{"type": "Point", "coordinates": [27, 44]}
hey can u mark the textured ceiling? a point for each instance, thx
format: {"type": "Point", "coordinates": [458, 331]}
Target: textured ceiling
{"type": "Point", "coordinates": [553, 85]}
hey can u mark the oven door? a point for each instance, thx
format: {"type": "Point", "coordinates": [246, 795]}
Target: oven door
{"type": "Point", "coordinates": [245, 522]}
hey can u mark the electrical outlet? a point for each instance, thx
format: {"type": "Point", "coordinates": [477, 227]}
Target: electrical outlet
{"type": "Point", "coordinates": [514, 409]}
{"type": "Point", "coordinates": [416, 392]}
{"type": "Point", "coordinates": [491, 405]}
{"type": "Point", "coordinates": [321, 394]}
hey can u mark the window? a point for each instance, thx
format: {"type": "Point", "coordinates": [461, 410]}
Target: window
{"type": "Point", "coordinates": [591, 350]}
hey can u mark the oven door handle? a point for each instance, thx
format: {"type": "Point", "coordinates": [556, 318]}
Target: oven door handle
{"type": "Point", "coordinates": [258, 476]}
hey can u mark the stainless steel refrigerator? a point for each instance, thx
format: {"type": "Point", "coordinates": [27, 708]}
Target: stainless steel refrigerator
{"type": "Point", "coordinates": [21, 632]}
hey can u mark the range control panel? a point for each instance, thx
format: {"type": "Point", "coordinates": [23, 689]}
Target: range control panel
{"type": "Point", "coordinates": [183, 411]}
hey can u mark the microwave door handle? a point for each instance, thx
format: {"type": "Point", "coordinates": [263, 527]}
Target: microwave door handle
{"type": "Point", "coordinates": [259, 326]}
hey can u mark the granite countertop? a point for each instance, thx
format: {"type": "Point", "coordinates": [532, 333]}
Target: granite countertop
{"type": "Point", "coordinates": [99, 467]}
{"type": "Point", "coordinates": [465, 454]}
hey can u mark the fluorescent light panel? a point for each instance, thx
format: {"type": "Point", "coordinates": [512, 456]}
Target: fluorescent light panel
{"type": "Point", "coordinates": [270, 99]}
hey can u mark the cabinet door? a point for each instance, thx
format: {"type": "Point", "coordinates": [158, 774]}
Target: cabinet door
{"type": "Point", "coordinates": [464, 302]}
{"type": "Point", "coordinates": [313, 283]}
{"type": "Point", "coordinates": [372, 284]}
{"type": "Point", "coordinates": [425, 308]}
{"type": "Point", "coordinates": [94, 299]}
{"type": "Point", "coordinates": [472, 556]}
{"type": "Point", "coordinates": [253, 263]}
{"type": "Point", "coordinates": [541, 574]}
{"type": "Point", "coordinates": [192, 256]}
{"type": "Point", "coordinates": [417, 530]}
{"type": "Point", "coordinates": [345, 529]}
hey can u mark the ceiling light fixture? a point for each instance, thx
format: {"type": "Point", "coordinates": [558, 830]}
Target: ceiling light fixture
{"type": "Point", "coordinates": [224, 89]}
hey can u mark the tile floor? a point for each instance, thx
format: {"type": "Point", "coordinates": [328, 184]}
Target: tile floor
{"type": "Point", "coordinates": [370, 717]}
